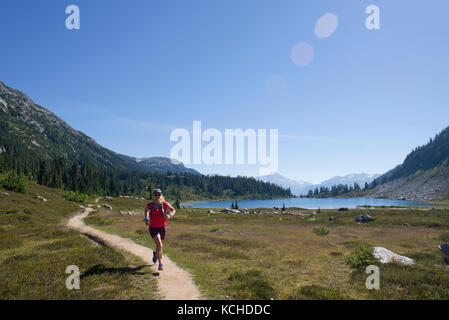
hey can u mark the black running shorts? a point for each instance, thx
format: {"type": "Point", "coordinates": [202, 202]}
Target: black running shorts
{"type": "Point", "coordinates": [162, 231]}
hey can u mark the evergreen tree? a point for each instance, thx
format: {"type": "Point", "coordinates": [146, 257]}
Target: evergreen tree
{"type": "Point", "coordinates": [177, 205]}
{"type": "Point", "coordinates": [2, 163]}
{"type": "Point", "coordinates": [43, 176]}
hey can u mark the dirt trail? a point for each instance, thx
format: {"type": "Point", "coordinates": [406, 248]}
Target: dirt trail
{"type": "Point", "coordinates": [174, 283]}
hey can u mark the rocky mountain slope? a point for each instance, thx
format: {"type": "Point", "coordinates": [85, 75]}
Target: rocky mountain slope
{"type": "Point", "coordinates": [423, 176]}
{"type": "Point", "coordinates": [25, 125]}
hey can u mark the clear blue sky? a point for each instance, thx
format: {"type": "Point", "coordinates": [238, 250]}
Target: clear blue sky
{"type": "Point", "coordinates": [137, 69]}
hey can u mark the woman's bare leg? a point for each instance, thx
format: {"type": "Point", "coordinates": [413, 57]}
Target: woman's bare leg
{"type": "Point", "coordinates": [157, 239]}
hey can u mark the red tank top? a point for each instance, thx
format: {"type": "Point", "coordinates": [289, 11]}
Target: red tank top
{"type": "Point", "coordinates": [157, 220]}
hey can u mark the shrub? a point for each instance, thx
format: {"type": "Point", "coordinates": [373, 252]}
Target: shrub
{"type": "Point", "coordinates": [14, 182]}
{"type": "Point", "coordinates": [321, 231]}
{"type": "Point", "coordinates": [76, 197]}
{"type": "Point", "coordinates": [215, 229]}
{"type": "Point", "coordinates": [362, 257]}
{"type": "Point", "coordinates": [251, 284]}
{"type": "Point", "coordinates": [445, 236]}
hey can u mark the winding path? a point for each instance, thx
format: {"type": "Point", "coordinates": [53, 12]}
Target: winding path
{"type": "Point", "coordinates": [174, 283]}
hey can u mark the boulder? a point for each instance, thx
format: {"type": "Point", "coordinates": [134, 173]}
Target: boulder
{"type": "Point", "coordinates": [211, 211]}
{"type": "Point", "coordinates": [106, 206]}
{"type": "Point", "coordinates": [405, 224]}
{"type": "Point", "coordinates": [331, 218]}
{"type": "Point", "coordinates": [386, 256]}
{"type": "Point", "coordinates": [233, 211]}
{"type": "Point", "coordinates": [4, 193]}
{"type": "Point", "coordinates": [445, 249]}
{"type": "Point", "coordinates": [363, 218]}
{"type": "Point", "coordinates": [41, 198]}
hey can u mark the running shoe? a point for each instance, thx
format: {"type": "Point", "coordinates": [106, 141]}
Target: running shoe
{"type": "Point", "coordinates": [154, 257]}
{"type": "Point", "coordinates": [161, 267]}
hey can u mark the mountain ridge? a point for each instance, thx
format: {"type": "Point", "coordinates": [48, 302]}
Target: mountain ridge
{"type": "Point", "coordinates": [422, 176]}
{"type": "Point", "coordinates": [24, 123]}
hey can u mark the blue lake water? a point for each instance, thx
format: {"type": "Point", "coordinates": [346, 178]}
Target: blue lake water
{"type": "Point", "coordinates": [306, 203]}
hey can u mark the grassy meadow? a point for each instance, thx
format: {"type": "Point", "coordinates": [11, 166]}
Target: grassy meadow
{"type": "Point", "coordinates": [268, 256]}
{"type": "Point", "coordinates": [36, 248]}
{"type": "Point", "coordinates": [259, 255]}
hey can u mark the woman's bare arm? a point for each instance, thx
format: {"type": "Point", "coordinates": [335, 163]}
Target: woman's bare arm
{"type": "Point", "coordinates": [172, 210]}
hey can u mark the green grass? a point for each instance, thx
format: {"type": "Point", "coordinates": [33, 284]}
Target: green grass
{"type": "Point", "coordinates": [215, 229]}
{"type": "Point", "coordinates": [315, 292]}
{"type": "Point", "coordinates": [36, 248]}
{"type": "Point", "coordinates": [99, 220]}
{"type": "Point", "coordinates": [321, 231]}
{"type": "Point", "coordinates": [256, 256]}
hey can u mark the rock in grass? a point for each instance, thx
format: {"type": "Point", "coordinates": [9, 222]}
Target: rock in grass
{"type": "Point", "coordinates": [331, 219]}
{"type": "Point", "coordinates": [4, 193]}
{"type": "Point", "coordinates": [445, 249]}
{"type": "Point", "coordinates": [386, 256]}
{"type": "Point", "coordinates": [233, 211]}
{"type": "Point", "coordinates": [106, 206]}
{"type": "Point", "coordinates": [364, 218]}
{"type": "Point", "coordinates": [41, 198]}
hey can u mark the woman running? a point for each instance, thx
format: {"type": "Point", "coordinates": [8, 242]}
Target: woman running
{"type": "Point", "coordinates": [156, 217]}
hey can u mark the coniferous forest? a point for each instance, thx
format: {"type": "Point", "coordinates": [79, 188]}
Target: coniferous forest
{"type": "Point", "coordinates": [85, 178]}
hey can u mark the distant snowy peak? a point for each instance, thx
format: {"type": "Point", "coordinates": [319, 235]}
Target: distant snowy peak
{"type": "Point", "coordinates": [297, 187]}
{"type": "Point", "coordinates": [303, 187]}
{"type": "Point", "coordinates": [359, 178]}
